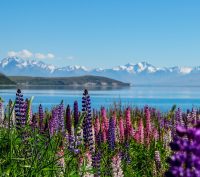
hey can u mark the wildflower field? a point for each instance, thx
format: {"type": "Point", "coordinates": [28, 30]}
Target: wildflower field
{"type": "Point", "coordinates": [81, 141]}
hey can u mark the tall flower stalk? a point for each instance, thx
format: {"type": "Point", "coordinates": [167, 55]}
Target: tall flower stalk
{"type": "Point", "coordinates": [20, 110]}
{"type": "Point", "coordinates": [1, 112]}
{"type": "Point", "coordinates": [111, 134]}
{"type": "Point", "coordinates": [121, 129]}
{"type": "Point", "coordinates": [68, 120]}
{"type": "Point", "coordinates": [104, 125]}
{"type": "Point", "coordinates": [76, 114]}
{"type": "Point", "coordinates": [41, 118]}
{"type": "Point", "coordinates": [61, 117]}
{"type": "Point", "coordinates": [148, 129]}
{"type": "Point", "coordinates": [116, 166]}
{"type": "Point", "coordinates": [129, 128]}
{"type": "Point", "coordinates": [87, 122]}
{"type": "Point", "coordinates": [53, 122]}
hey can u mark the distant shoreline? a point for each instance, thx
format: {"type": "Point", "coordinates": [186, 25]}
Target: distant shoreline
{"type": "Point", "coordinates": [61, 87]}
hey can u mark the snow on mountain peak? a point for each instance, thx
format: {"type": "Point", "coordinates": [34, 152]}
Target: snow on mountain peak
{"type": "Point", "coordinates": [18, 66]}
{"type": "Point", "coordinates": [185, 70]}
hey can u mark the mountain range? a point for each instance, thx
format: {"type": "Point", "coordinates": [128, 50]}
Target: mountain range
{"type": "Point", "coordinates": [141, 73]}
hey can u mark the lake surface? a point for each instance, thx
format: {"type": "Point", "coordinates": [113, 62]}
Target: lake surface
{"type": "Point", "coordinates": [162, 98]}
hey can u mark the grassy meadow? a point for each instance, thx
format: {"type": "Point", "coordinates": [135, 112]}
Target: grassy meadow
{"type": "Point", "coordinates": [81, 141]}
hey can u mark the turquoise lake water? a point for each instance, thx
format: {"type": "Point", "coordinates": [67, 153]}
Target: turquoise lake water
{"type": "Point", "coordinates": [162, 98]}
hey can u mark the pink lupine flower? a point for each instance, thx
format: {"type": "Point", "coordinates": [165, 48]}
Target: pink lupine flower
{"type": "Point", "coordinates": [97, 126]}
{"type": "Point", "coordinates": [141, 131]}
{"type": "Point", "coordinates": [148, 120]}
{"type": "Point", "coordinates": [104, 135]}
{"type": "Point", "coordinates": [132, 131]}
{"type": "Point", "coordinates": [137, 137]}
{"type": "Point", "coordinates": [155, 134]}
{"type": "Point", "coordinates": [121, 129]}
{"type": "Point", "coordinates": [147, 139]}
{"type": "Point", "coordinates": [105, 121]}
{"type": "Point", "coordinates": [104, 125]}
{"type": "Point", "coordinates": [148, 128]}
{"type": "Point", "coordinates": [129, 127]}
{"type": "Point", "coordinates": [114, 118]}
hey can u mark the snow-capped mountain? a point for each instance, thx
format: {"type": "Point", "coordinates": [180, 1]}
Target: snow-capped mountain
{"type": "Point", "coordinates": [140, 73]}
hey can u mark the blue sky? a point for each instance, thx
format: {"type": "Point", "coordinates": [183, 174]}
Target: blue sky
{"type": "Point", "coordinates": [102, 33]}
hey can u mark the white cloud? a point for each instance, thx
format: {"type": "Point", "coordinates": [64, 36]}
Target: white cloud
{"type": "Point", "coordinates": [50, 55]}
{"type": "Point", "coordinates": [43, 56]}
{"type": "Point", "coordinates": [70, 58]}
{"type": "Point", "coordinates": [22, 54]}
{"type": "Point", "coordinates": [27, 54]}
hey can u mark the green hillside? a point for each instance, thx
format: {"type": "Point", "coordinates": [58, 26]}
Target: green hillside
{"type": "Point", "coordinates": [90, 81]}
{"type": "Point", "coordinates": [4, 80]}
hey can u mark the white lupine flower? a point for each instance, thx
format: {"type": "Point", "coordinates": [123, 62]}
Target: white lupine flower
{"type": "Point", "coordinates": [116, 166]}
{"type": "Point", "coordinates": [88, 167]}
{"type": "Point", "coordinates": [1, 112]}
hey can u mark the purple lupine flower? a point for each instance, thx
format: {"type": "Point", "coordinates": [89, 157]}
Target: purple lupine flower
{"type": "Point", "coordinates": [41, 118]}
{"type": "Point", "coordinates": [51, 126]}
{"type": "Point", "coordinates": [87, 122]}
{"type": "Point", "coordinates": [34, 121]}
{"type": "Point", "coordinates": [53, 122]}
{"type": "Point", "coordinates": [194, 116]}
{"type": "Point", "coordinates": [179, 118]}
{"type": "Point", "coordinates": [68, 120]}
{"type": "Point", "coordinates": [186, 157]}
{"type": "Point", "coordinates": [61, 117]}
{"type": "Point", "coordinates": [99, 139]}
{"type": "Point", "coordinates": [76, 114]}
{"type": "Point", "coordinates": [125, 155]}
{"type": "Point", "coordinates": [111, 134]}
{"type": "Point", "coordinates": [191, 118]}
{"type": "Point", "coordinates": [96, 163]}
{"type": "Point", "coordinates": [20, 110]}
{"type": "Point", "coordinates": [72, 143]}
